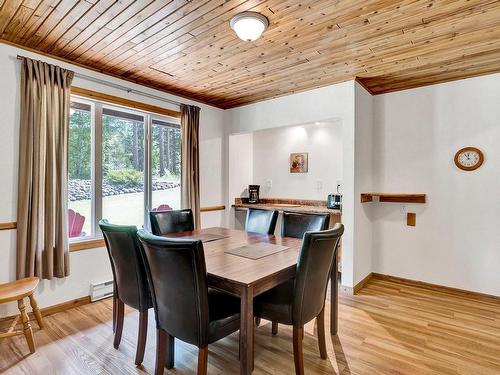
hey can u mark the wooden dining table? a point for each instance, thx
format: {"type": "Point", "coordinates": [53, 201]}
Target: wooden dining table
{"type": "Point", "coordinates": [247, 278]}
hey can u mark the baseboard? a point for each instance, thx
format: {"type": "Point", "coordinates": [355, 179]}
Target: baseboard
{"type": "Point", "coordinates": [46, 311]}
{"type": "Point", "coordinates": [49, 310]}
{"type": "Point", "coordinates": [362, 283]}
{"type": "Point", "coordinates": [435, 287]}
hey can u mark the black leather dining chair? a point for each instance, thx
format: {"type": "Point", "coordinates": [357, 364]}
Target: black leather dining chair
{"type": "Point", "coordinates": [295, 224]}
{"type": "Point", "coordinates": [175, 221]}
{"type": "Point", "coordinates": [299, 301]}
{"type": "Point", "coordinates": [130, 282]}
{"type": "Point", "coordinates": [185, 308]}
{"type": "Point", "coordinates": [261, 221]}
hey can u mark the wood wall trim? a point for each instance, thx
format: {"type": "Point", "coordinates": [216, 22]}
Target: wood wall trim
{"type": "Point", "coordinates": [213, 208]}
{"type": "Point", "coordinates": [86, 245]}
{"type": "Point", "coordinates": [7, 226]}
{"type": "Point", "coordinates": [123, 102]}
{"type": "Point", "coordinates": [435, 287]}
{"type": "Point", "coordinates": [49, 310]}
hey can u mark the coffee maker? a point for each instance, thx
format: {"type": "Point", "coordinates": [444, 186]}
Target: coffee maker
{"type": "Point", "coordinates": [253, 193]}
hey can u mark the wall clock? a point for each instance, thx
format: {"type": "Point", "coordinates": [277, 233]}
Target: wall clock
{"type": "Point", "coordinates": [469, 158]}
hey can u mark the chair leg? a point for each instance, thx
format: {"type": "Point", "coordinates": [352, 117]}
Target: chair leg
{"type": "Point", "coordinates": [28, 333]}
{"type": "Point", "coordinates": [257, 321]}
{"type": "Point", "coordinates": [170, 351]}
{"type": "Point", "coordinates": [275, 328]}
{"type": "Point", "coordinates": [119, 323]}
{"type": "Point", "coordinates": [203, 361]}
{"type": "Point", "coordinates": [320, 320]}
{"type": "Point", "coordinates": [114, 313]}
{"type": "Point", "coordinates": [141, 337]}
{"type": "Point", "coordinates": [161, 346]}
{"type": "Point", "coordinates": [36, 311]}
{"type": "Point", "coordinates": [298, 354]}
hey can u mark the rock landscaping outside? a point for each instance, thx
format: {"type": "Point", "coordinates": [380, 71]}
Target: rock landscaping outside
{"type": "Point", "coordinates": [81, 189]}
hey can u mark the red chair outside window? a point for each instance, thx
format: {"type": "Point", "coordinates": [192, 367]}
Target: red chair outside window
{"type": "Point", "coordinates": [163, 207]}
{"type": "Point", "coordinates": [75, 224]}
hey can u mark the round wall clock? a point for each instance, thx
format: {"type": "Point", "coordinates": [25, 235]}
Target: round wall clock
{"type": "Point", "coordinates": [469, 158]}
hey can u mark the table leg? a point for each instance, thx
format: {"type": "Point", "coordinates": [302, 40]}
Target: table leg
{"type": "Point", "coordinates": [334, 298]}
{"type": "Point", "coordinates": [246, 332]}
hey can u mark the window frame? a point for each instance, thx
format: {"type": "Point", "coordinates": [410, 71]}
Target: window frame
{"type": "Point", "coordinates": [98, 105]}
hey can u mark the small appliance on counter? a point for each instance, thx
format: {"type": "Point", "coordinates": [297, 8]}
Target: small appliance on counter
{"type": "Point", "coordinates": [335, 200]}
{"type": "Point", "coordinates": [253, 193]}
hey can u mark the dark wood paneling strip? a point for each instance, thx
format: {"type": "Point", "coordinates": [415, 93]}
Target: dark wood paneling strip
{"type": "Point", "coordinates": [7, 226]}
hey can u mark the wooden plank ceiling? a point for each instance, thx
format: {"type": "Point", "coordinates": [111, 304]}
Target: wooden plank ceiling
{"type": "Point", "coordinates": [187, 47]}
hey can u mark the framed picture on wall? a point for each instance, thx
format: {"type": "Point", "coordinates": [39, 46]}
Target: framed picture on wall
{"type": "Point", "coordinates": [298, 162]}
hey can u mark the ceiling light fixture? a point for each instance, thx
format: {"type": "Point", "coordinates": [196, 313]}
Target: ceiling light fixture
{"type": "Point", "coordinates": [249, 26]}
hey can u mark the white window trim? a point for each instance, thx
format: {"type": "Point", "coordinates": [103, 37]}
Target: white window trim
{"type": "Point", "coordinates": [96, 160]}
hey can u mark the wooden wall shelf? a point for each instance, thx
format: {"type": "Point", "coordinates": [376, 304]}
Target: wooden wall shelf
{"type": "Point", "coordinates": [393, 198]}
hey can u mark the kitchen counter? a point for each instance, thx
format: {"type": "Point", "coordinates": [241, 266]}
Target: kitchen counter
{"type": "Point", "coordinates": [288, 205]}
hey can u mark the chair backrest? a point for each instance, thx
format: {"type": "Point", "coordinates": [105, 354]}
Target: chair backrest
{"type": "Point", "coordinates": [127, 264]}
{"type": "Point", "coordinates": [319, 249]}
{"type": "Point", "coordinates": [175, 221]}
{"type": "Point", "coordinates": [177, 277]}
{"type": "Point", "coordinates": [261, 221]}
{"type": "Point", "coordinates": [75, 223]}
{"type": "Point", "coordinates": [295, 225]}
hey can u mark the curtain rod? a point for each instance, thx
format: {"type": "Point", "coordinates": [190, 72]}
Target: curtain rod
{"type": "Point", "coordinates": [119, 87]}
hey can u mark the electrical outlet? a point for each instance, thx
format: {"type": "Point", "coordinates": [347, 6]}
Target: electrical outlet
{"type": "Point", "coordinates": [404, 209]}
{"type": "Point", "coordinates": [319, 185]}
{"type": "Point", "coordinates": [269, 184]}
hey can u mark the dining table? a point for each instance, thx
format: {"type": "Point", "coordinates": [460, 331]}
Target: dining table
{"type": "Point", "coordinates": [246, 278]}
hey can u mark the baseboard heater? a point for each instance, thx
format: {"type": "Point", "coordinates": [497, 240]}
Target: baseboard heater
{"type": "Point", "coordinates": [100, 291]}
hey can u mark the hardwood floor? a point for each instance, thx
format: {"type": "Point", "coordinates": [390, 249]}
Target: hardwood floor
{"type": "Point", "coordinates": [388, 328]}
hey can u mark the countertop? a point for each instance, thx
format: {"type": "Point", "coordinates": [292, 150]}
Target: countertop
{"type": "Point", "coordinates": [289, 205]}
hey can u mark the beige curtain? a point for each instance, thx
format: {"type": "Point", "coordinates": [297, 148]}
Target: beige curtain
{"type": "Point", "coordinates": [42, 229]}
{"type": "Point", "coordinates": [190, 182]}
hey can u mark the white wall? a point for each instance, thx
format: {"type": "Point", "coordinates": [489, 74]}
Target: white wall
{"type": "Point", "coordinates": [240, 172]}
{"type": "Point", "coordinates": [332, 103]}
{"type": "Point", "coordinates": [363, 182]}
{"type": "Point", "coordinates": [416, 133]}
{"type": "Point", "coordinates": [271, 160]}
{"type": "Point", "coordinates": [91, 265]}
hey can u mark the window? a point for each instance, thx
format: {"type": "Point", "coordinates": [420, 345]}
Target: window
{"type": "Point", "coordinates": [121, 163]}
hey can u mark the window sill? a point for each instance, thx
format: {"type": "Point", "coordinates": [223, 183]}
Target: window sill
{"type": "Point", "coordinates": [86, 244]}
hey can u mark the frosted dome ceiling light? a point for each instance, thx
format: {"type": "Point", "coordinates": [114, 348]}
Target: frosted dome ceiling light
{"type": "Point", "coordinates": [249, 26]}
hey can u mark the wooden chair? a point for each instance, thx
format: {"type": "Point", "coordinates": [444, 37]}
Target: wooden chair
{"type": "Point", "coordinates": [174, 221]}
{"type": "Point", "coordinates": [261, 221]}
{"type": "Point", "coordinates": [185, 308]}
{"type": "Point", "coordinates": [296, 225]}
{"type": "Point", "coordinates": [130, 283]}
{"type": "Point", "coordinates": [17, 291]}
{"type": "Point", "coordinates": [299, 301]}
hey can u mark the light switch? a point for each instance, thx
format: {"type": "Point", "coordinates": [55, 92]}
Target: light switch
{"type": "Point", "coordinates": [269, 184]}
{"type": "Point", "coordinates": [319, 185]}
{"type": "Point", "coordinates": [411, 219]}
